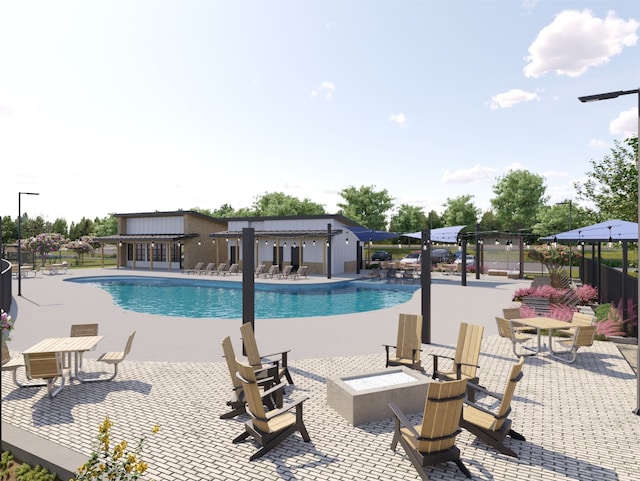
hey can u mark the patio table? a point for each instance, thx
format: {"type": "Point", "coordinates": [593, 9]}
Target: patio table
{"type": "Point", "coordinates": [68, 345]}
{"type": "Point", "coordinates": [540, 323]}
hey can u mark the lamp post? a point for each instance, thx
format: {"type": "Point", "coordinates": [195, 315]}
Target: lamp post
{"type": "Point", "coordinates": [570, 223]}
{"type": "Point", "coordinates": [607, 96]}
{"type": "Point", "coordinates": [20, 194]}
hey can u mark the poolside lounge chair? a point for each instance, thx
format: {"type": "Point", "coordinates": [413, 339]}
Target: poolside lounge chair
{"type": "Point", "coordinates": [259, 270]}
{"type": "Point", "coordinates": [374, 274]}
{"type": "Point", "coordinates": [409, 343]}
{"type": "Point", "coordinates": [115, 358]}
{"type": "Point", "coordinates": [48, 366]}
{"type": "Point", "coordinates": [233, 269]}
{"type": "Point", "coordinates": [433, 441]}
{"type": "Point", "coordinates": [286, 272]}
{"type": "Point", "coordinates": [222, 268]}
{"type": "Point", "coordinates": [302, 271]}
{"type": "Point", "coordinates": [493, 426]}
{"type": "Point", "coordinates": [81, 330]}
{"type": "Point", "coordinates": [465, 360]}
{"type": "Point", "coordinates": [196, 268]}
{"type": "Point", "coordinates": [13, 364]}
{"type": "Point", "coordinates": [509, 329]}
{"type": "Point", "coordinates": [239, 401]}
{"type": "Point", "coordinates": [254, 357]}
{"type": "Point", "coordinates": [211, 266]}
{"type": "Point", "coordinates": [268, 428]}
{"type": "Point", "coordinates": [273, 270]}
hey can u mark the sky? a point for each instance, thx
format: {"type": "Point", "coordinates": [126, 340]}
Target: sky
{"type": "Point", "coordinates": [142, 106]}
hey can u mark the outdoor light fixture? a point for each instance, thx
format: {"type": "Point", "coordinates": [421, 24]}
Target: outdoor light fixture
{"type": "Point", "coordinates": [285, 245]}
{"type": "Point", "coordinates": [274, 243]}
{"type": "Point", "coordinates": [346, 242]}
{"type": "Point", "coordinates": [497, 241]}
{"type": "Point", "coordinates": [610, 240]}
{"type": "Point", "coordinates": [120, 243]}
{"type": "Point", "coordinates": [257, 241]}
{"type": "Point", "coordinates": [226, 239]}
{"type": "Point", "coordinates": [314, 242]}
{"type": "Point", "coordinates": [199, 243]}
{"type": "Point", "coordinates": [213, 241]}
{"type": "Point", "coordinates": [304, 243]}
{"type": "Point", "coordinates": [266, 243]}
{"type": "Point", "coordinates": [153, 244]}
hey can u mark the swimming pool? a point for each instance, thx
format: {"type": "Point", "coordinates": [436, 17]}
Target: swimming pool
{"type": "Point", "coordinates": [202, 298]}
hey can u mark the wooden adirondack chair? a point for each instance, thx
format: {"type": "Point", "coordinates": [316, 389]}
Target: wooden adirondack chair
{"type": "Point", "coordinates": [409, 343]}
{"type": "Point", "coordinates": [271, 398]}
{"type": "Point", "coordinates": [465, 360]}
{"type": "Point", "coordinates": [254, 357]}
{"type": "Point", "coordinates": [489, 426]}
{"type": "Point", "coordinates": [433, 441]}
{"type": "Point", "coordinates": [268, 428]}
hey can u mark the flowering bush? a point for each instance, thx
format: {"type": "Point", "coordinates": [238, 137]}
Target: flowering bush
{"type": "Point", "coordinates": [587, 294]}
{"type": "Point", "coordinates": [615, 324]}
{"type": "Point", "coordinates": [528, 311]}
{"type": "Point", "coordinates": [553, 258]}
{"type": "Point", "coordinates": [547, 292]}
{"type": "Point", "coordinates": [44, 243]}
{"type": "Point", "coordinates": [561, 313]}
{"type": "Point", "coordinates": [81, 246]}
{"type": "Point", "coordinates": [116, 464]}
{"type": "Point", "coordinates": [7, 325]}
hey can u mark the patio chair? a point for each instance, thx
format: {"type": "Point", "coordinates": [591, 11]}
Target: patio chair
{"type": "Point", "coordinates": [511, 313]}
{"type": "Point", "coordinates": [516, 334]}
{"type": "Point", "coordinates": [222, 268]}
{"type": "Point", "coordinates": [233, 269]}
{"type": "Point", "coordinates": [409, 343]}
{"type": "Point", "coordinates": [465, 360]}
{"type": "Point", "coordinates": [259, 270]}
{"type": "Point", "coordinates": [211, 267]}
{"type": "Point", "coordinates": [195, 269]}
{"type": "Point", "coordinates": [115, 358]}
{"type": "Point", "coordinates": [254, 357]}
{"type": "Point", "coordinates": [286, 272]}
{"type": "Point", "coordinates": [13, 364]}
{"type": "Point", "coordinates": [273, 270]}
{"type": "Point", "coordinates": [302, 271]}
{"type": "Point", "coordinates": [493, 426]}
{"type": "Point", "coordinates": [433, 441]}
{"type": "Point", "coordinates": [581, 336]}
{"type": "Point", "coordinates": [268, 428]}
{"type": "Point", "coordinates": [81, 330]}
{"type": "Point", "coordinates": [271, 398]}
{"type": "Point", "coordinates": [582, 318]}
{"type": "Point", "coordinates": [48, 366]}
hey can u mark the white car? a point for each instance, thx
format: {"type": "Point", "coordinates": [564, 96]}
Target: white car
{"type": "Point", "coordinates": [471, 261]}
{"type": "Point", "coordinates": [411, 258]}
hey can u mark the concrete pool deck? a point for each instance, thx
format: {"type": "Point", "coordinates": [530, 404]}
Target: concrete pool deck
{"type": "Point", "coordinates": [576, 418]}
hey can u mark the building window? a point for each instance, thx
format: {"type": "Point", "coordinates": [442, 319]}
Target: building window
{"type": "Point", "coordinates": [129, 252]}
{"type": "Point", "coordinates": [175, 252]}
{"type": "Point", "coordinates": [159, 253]}
{"type": "Point", "coordinates": [141, 254]}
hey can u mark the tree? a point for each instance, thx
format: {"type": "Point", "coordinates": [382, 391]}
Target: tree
{"type": "Point", "coordinates": [435, 220]}
{"type": "Point", "coordinates": [81, 246]}
{"type": "Point", "coordinates": [43, 244]}
{"type": "Point", "coordinates": [105, 226]}
{"type": "Point", "coordinates": [82, 228]}
{"type": "Point", "coordinates": [555, 218]}
{"type": "Point", "coordinates": [408, 219]}
{"type": "Point", "coordinates": [489, 222]}
{"type": "Point", "coordinates": [613, 183]}
{"type": "Point", "coordinates": [279, 204]}
{"type": "Point", "coordinates": [460, 211]}
{"type": "Point", "coordinates": [519, 196]}
{"type": "Point", "coordinates": [60, 226]}
{"type": "Point", "coordinates": [366, 206]}
{"type": "Point", "coordinates": [225, 210]}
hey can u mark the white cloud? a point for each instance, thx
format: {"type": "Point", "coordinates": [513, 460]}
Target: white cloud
{"type": "Point", "coordinates": [626, 123]}
{"type": "Point", "coordinates": [325, 89]}
{"type": "Point", "coordinates": [576, 41]}
{"type": "Point", "coordinates": [554, 173]}
{"type": "Point", "coordinates": [476, 174]}
{"type": "Point", "coordinates": [511, 98]}
{"type": "Point", "coordinates": [399, 119]}
{"type": "Point", "coordinates": [597, 144]}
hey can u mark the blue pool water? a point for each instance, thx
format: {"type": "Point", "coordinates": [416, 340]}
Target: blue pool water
{"type": "Point", "coordinates": [202, 298]}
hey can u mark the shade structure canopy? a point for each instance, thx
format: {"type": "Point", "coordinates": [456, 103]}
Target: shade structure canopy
{"type": "Point", "coordinates": [442, 234]}
{"type": "Point", "coordinates": [365, 235]}
{"type": "Point", "coordinates": [612, 230]}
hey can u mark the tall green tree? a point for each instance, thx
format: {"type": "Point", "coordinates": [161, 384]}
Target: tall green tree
{"type": "Point", "coordinates": [488, 222]}
{"type": "Point", "coordinates": [82, 228]}
{"type": "Point", "coordinates": [225, 210]}
{"type": "Point", "coordinates": [272, 204]}
{"type": "Point", "coordinates": [366, 205]}
{"type": "Point", "coordinates": [409, 218]}
{"type": "Point", "coordinates": [434, 220]}
{"type": "Point", "coordinates": [60, 226]}
{"type": "Point", "coordinates": [613, 182]}
{"type": "Point", "coordinates": [460, 211]}
{"type": "Point", "coordinates": [519, 196]}
{"type": "Point", "coordinates": [555, 218]}
{"type": "Point", "coordinates": [105, 226]}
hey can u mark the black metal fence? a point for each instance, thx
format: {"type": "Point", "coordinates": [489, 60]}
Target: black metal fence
{"type": "Point", "coordinates": [612, 284]}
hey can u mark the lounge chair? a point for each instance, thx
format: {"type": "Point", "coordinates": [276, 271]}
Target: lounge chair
{"type": "Point", "coordinates": [581, 336]}
{"type": "Point", "coordinates": [82, 330]}
{"type": "Point", "coordinates": [254, 357]}
{"type": "Point", "coordinates": [115, 358]}
{"type": "Point", "coordinates": [211, 267]}
{"type": "Point", "coordinates": [433, 441]}
{"type": "Point", "coordinates": [259, 270]}
{"type": "Point", "coordinates": [493, 427]}
{"type": "Point", "coordinates": [273, 270]}
{"type": "Point", "coordinates": [465, 360]}
{"type": "Point", "coordinates": [286, 272]}
{"type": "Point", "coordinates": [222, 268]}
{"type": "Point", "coordinates": [196, 268]}
{"type": "Point", "coordinates": [409, 343]}
{"type": "Point", "coordinates": [13, 364]}
{"type": "Point", "coordinates": [233, 269]}
{"type": "Point", "coordinates": [48, 366]}
{"type": "Point", "coordinates": [268, 428]}
{"type": "Point", "coordinates": [238, 403]}
{"type": "Point", "coordinates": [509, 329]}
{"type": "Point", "coordinates": [375, 274]}
{"type": "Point", "coordinates": [302, 271]}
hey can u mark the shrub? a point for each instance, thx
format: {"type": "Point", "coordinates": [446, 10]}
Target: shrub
{"type": "Point", "coordinates": [528, 311]}
{"type": "Point", "coordinates": [561, 312]}
{"type": "Point", "coordinates": [587, 294]}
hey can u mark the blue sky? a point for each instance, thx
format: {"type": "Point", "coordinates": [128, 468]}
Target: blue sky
{"type": "Point", "coordinates": [136, 106]}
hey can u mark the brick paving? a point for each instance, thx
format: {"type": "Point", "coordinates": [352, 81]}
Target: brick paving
{"type": "Point", "coordinates": [577, 420]}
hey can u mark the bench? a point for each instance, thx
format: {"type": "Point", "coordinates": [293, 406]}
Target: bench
{"type": "Point", "coordinates": [542, 305]}
{"type": "Point", "coordinates": [497, 272]}
{"type": "Point", "coordinates": [53, 269]}
{"type": "Point", "coordinates": [25, 271]}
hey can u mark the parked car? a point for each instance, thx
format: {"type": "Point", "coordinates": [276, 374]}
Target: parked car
{"type": "Point", "coordinates": [381, 256]}
{"type": "Point", "coordinates": [471, 261]}
{"type": "Point", "coordinates": [440, 255]}
{"type": "Point", "coordinates": [411, 258]}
